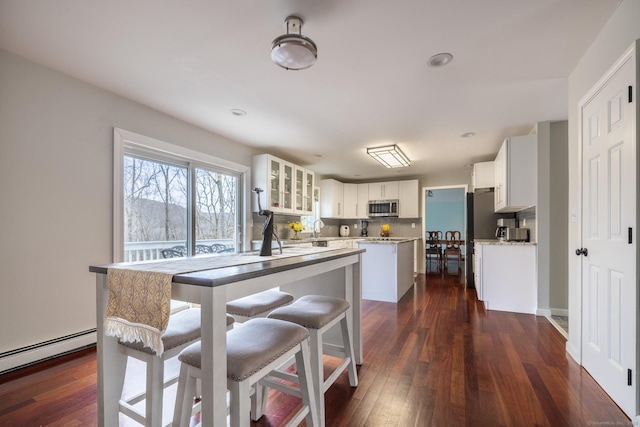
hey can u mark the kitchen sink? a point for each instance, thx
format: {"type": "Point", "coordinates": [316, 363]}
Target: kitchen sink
{"type": "Point", "coordinates": [320, 243]}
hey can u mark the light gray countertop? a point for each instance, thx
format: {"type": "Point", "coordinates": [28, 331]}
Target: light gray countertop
{"type": "Point", "coordinates": [372, 239]}
{"type": "Point", "coordinates": [500, 242]}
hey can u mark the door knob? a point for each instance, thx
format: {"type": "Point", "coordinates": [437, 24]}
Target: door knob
{"type": "Point", "coordinates": [582, 251]}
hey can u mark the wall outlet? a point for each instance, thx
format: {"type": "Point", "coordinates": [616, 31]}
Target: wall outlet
{"type": "Point", "coordinates": [524, 222]}
{"type": "Point", "coordinates": [413, 225]}
{"type": "Point", "coordinates": [355, 226]}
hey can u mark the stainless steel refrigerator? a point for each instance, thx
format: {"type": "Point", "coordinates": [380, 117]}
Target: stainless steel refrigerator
{"type": "Point", "coordinates": [481, 224]}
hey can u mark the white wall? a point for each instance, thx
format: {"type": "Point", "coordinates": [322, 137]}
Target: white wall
{"type": "Point", "coordinates": [617, 35]}
{"type": "Point", "coordinates": [56, 148]}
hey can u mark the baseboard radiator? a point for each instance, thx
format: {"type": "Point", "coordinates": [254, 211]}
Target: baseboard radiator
{"type": "Point", "coordinates": [25, 356]}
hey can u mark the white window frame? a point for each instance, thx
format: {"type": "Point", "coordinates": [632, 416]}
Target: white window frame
{"type": "Point", "coordinates": [125, 141]}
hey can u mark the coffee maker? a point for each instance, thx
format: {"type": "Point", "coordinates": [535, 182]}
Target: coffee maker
{"type": "Point", "coordinates": [503, 224]}
{"type": "Point", "coordinates": [363, 228]}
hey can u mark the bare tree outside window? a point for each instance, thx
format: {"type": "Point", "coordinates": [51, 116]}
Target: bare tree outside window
{"type": "Point", "coordinates": [216, 205]}
{"type": "Point", "coordinates": [156, 209]}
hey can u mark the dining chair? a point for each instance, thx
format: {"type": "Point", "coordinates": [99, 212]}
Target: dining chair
{"type": "Point", "coordinates": [452, 248]}
{"type": "Point", "coordinates": [434, 248]}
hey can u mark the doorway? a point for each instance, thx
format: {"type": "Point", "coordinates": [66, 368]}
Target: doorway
{"type": "Point", "coordinates": [445, 210]}
{"type": "Point", "coordinates": [608, 251]}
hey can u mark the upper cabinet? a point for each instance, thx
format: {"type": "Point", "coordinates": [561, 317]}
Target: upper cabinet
{"type": "Point", "coordinates": [515, 169]}
{"type": "Point", "coordinates": [408, 199]}
{"type": "Point", "coordinates": [332, 199]}
{"type": "Point", "coordinates": [356, 201]}
{"type": "Point", "coordinates": [343, 200]}
{"type": "Point", "coordinates": [304, 182]}
{"type": "Point", "coordinates": [287, 187]}
{"type": "Point", "coordinates": [350, 200]}
{"type": "Point", "coordinates": [483, 175]}
{"type": "Point", "coordinates": [362, 208]}
{"type": "Point", "coordinates": [383, 190]}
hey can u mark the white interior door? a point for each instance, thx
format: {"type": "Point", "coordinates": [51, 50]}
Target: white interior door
{"type": "Point", "coordinates": [609, 238]}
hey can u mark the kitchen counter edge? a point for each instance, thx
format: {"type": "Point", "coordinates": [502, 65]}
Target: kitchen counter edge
{"type": "Point", "coordinates": [236, 273]}
{"type": "Point", "coordinates": [499, 242]}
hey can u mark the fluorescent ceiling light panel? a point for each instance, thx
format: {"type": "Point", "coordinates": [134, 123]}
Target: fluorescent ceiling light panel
{"type": "Point", "coordinates": [389, 156]}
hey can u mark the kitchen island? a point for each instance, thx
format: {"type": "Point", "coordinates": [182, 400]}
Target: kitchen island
{"type": "Point", "coordinates": [387, 268]}
{"type": "Point", "coordinates": [220, 279]}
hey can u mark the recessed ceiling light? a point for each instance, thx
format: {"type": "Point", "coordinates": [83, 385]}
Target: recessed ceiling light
{"type": "Point", "coordinates": [317, 155]}
{"type": "Point", "coordinates": [238, 112]}
{"type": "Point", "coordinates": [468, 165]}
{"type": "Point", "coordinates": [440, 60]}
{"type": "Point", "coordinates": [468, 135]}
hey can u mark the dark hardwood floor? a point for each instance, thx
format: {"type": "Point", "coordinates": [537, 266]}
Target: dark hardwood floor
{"type": "Point", "coordinates": [436, 358]}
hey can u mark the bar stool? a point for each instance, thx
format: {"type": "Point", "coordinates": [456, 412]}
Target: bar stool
{"type": "Point", "coordinates": [183, 330]}
{"type": "Point", "coordinates": [318, 314]}
{"type": "Point", "coordinates": [253, 351]}
{"type": "Point", "coordinates": [258, 305]}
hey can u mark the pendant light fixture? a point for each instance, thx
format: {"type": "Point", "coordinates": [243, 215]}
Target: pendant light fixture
{"type": "Point", "coordinates": [293, 51]}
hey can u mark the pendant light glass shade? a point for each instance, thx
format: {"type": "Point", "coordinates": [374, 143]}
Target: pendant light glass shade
{"type": "Point", "coordinates": [293, 51]}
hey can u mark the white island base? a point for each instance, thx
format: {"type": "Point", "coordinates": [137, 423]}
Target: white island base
{"type": "Point", "coordinates": [387, 269]}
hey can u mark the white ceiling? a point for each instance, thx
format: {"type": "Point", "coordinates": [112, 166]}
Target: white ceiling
{"type": "Point", "coordinates": [197, 60]}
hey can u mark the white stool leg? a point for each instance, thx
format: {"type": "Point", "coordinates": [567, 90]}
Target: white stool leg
{"type": "Point", "coordinates": [259, 401]}
{"type": "Point", "coordinates": [305, 377]}
{"type": "Point", "coordinates": [317, 371]}
{"type": "Point", "coordinates": [240, 403]}
{"type": "Point", "coordinates": [348, 351]}
{"type": "Point", "coordinates": [184, 397]}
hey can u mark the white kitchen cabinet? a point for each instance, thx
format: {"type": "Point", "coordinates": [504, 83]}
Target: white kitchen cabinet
{"type": "Point", "coordinates": [408, 199]}
{"type": "Point", "coordinates": [276, 177]}
{"type": "Point", "coordinates": [515, 169]}
{"type": "Point", "coordinates": [303, 190]}
{"type": "Point", "coordinates": [477, 270]}
{"type": "Point", "coordinates": [355, 201]}
{"type": "Point", "coordinates": [383, 190]}
{"type": "Point", "coordinates": [350, 200]}
{"type": "Point", "coordinates": [507, 276]}
{"type": "Point", "coordinates": [483, 175]}
{"type": "Point", "coordinates": [331, 203]}
{"type": "Point", "coordinates": [362, 208]}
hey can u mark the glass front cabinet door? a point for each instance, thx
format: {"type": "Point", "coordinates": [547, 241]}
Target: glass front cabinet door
{"type": "Point", "coordinates": [303, 191]}
{"type": "Point", "coordinates": [276, 178]}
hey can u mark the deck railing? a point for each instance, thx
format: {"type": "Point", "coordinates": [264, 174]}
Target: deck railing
{"type": "Point", "coordinates": [143, 251]}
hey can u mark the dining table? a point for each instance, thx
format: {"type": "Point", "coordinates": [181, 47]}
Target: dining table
{"type": "Point", "coordinates": [217, 279]}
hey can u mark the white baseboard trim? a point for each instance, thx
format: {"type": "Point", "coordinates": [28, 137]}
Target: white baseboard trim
{"type": "Point", "coordinates": [12, 360]}
{"type": "Point", "coordinates": [543, 312]}
{"type": "Point", "coordinates": [560, 312]}
{"type": "Point", "coordinates": [573, 352]}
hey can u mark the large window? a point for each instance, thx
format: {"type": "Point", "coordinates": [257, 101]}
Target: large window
{"type": "Point", "coordinates": [169, 204]}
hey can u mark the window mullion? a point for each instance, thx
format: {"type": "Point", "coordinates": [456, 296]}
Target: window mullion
{"type": "Point", "coordinates": [191, 209]}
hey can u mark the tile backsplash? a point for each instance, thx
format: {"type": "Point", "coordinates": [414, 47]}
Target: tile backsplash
{"type": "Point", "coordinates": [527, 219]}
{"type": "Point", "coordinates": [411, 227]}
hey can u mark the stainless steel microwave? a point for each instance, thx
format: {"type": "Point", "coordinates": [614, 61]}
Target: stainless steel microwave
{"type": "Point", "coordinates": [383, 208]}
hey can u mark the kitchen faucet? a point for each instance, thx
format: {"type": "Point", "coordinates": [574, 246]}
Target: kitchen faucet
{"type": "Point", "coordinates": [267, 230]}
{"type": "Point", "coordinates": [320, 225]}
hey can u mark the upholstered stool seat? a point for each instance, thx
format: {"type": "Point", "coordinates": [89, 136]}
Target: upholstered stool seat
{"type": "Point", "coordinates": [182, 330]}
{"type": "Point", "coordinates": [258, 305]}
{"type": "Point", "coordinates": [253, 351]}
{"type": "Point", "coordinates": [318, 314]}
